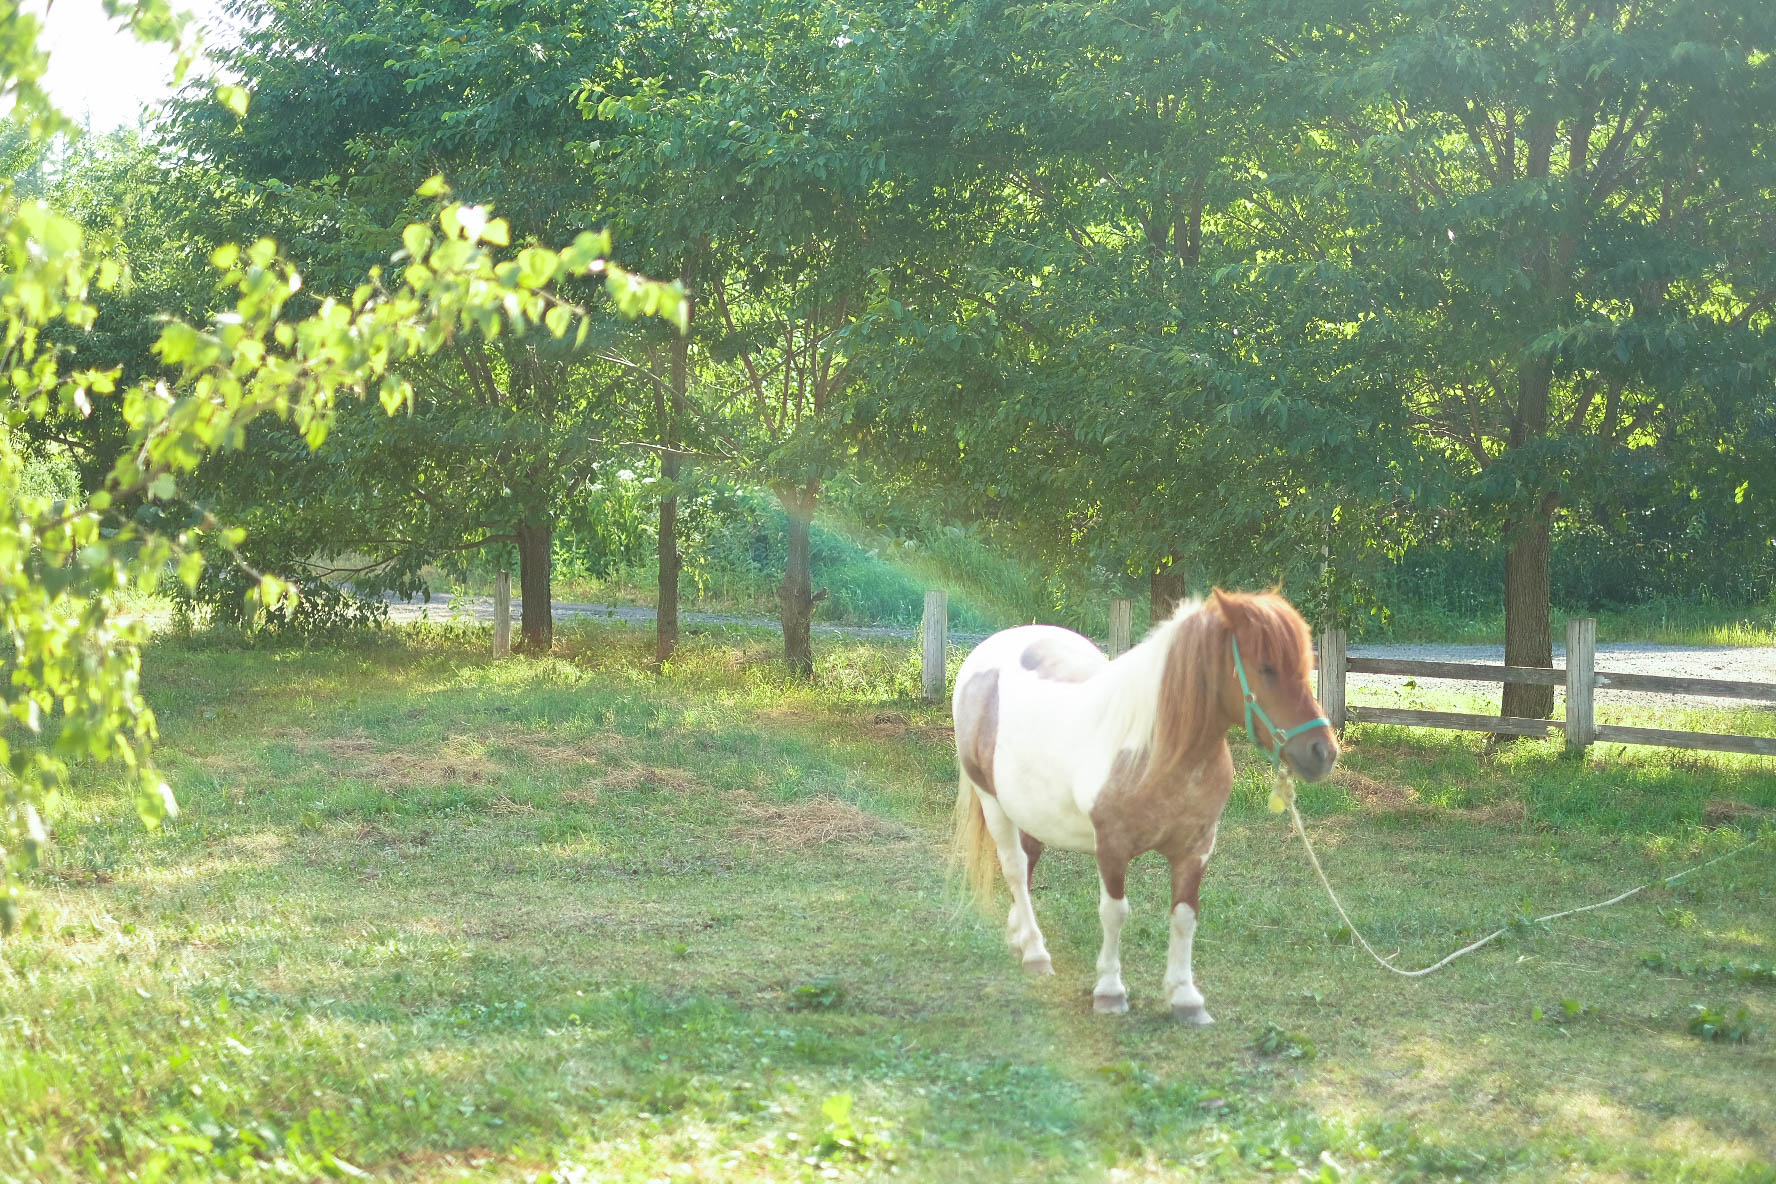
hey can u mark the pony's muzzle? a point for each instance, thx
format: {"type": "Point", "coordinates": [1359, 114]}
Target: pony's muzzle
{"type": "Point", "coordinates": [1312, 754]}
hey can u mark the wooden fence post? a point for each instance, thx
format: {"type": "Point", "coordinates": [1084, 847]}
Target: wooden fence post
{"type": "Point", "coordinates": [936, 637]}
{"type": "Point", "coordinates": [502, 614]}
{"type": "Point", "coordinates": [1581, 682]}
{"type": "Point", "coordinates": [1332, 672]}
{"type": "Point", "coordinates": [1122, 624]}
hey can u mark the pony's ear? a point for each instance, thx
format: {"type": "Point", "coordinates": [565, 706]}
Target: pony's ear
{"type": "Point", "coordinates": [1231, 608]}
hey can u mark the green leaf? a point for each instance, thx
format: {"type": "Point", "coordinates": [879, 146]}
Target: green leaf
{"type": "Point", "coordinates": [235, 98]}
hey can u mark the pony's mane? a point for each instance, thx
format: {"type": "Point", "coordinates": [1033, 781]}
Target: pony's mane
{"type": "Point", "coordinates": [1191, 707]}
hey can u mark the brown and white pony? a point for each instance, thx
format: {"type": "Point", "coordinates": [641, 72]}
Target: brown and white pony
{"type": "Point", "coordinates": [1061, 747]}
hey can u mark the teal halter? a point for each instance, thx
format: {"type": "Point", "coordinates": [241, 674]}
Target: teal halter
{"type": "Point", "coordinates": [1254, 709]}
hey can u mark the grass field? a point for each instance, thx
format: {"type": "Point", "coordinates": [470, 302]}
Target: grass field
{"type": "Point", "coordinates": [429, 917]}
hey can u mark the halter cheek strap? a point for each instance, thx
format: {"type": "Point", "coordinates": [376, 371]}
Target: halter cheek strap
{"type": "Point", "coordinates": [1254, 708]}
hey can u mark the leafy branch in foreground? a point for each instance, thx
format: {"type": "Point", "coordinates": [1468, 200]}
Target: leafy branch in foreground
{"type": "Point", "coordinates": [68, 563]}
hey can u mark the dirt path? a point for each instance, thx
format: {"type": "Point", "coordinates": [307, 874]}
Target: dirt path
{"type": "Point", "coordinates": [1738, 663]}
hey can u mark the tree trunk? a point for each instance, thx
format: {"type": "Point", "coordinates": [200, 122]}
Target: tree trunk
{"type": "Point", "coordinates": [795, 597]}
{"type": "Point", "coordinates": [537, 625]}
{"type": "Point", "coordinates": [666, 605]}
{"type": "Point", "coordinates": [1165, 590]}
{"type": "Point", "coordinates": [669, 411]}
{"type": "Point", "coordinates": [1529, 640]}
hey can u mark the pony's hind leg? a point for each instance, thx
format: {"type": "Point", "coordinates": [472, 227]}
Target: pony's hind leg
{"type": "Point", "coordinates": [1021, 930]}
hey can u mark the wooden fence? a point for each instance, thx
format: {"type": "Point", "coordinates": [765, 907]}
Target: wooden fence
{"type": "Point", "coordinates": [1581, 679]}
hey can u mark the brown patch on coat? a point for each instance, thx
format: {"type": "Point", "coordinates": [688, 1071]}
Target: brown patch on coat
{"type": "Point", "coordinates": [1052, 658]}
{"type": "Point", "coordinates": [1173, 812]}
{"type": "Point", "coordinates": [977, 727]}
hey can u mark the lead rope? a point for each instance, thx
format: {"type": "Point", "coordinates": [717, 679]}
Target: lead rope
{"type": "Point", "coordinates": [1284, 794]}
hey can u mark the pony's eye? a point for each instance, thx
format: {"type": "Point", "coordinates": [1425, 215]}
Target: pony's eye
{"type": "Point", "coordinates": [1268, 671]}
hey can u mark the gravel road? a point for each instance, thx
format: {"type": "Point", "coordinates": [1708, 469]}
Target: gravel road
{"type": "Point", "coordinates": [1737, 663]}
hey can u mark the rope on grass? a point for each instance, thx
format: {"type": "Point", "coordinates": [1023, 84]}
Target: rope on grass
{"type": "Point", "coordinates": [1386, 964]}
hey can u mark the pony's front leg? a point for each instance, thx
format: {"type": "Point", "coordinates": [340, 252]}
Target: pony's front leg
{"type": "Point", "coordinates": [1108, 995]}
{"type": "Point", "coordinates": [1180, 980]}
{"type": "Point", "coordinates": [1021, 930]}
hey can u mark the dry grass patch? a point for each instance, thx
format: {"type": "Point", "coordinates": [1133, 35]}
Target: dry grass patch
{"type": "Point", "coordinates": [1494, 813]}
{"type": "Point", "coordinates": [460, 760]}
{"type": "Point", "coordinates": [1385, 797]}
{"type": "Point", "coordinates": [812, 822]}
{"type": "Point", "coordinates": [628, 778]}
{"type": "Point", "coordinates": [1379, 796]}
{"type": "Point", "coordinates": [1721, 812]}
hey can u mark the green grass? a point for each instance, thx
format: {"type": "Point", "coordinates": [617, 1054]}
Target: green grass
{"type": "Point", "coordinates": [430, 917]}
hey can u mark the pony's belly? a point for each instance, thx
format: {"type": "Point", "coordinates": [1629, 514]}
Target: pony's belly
{"type": "Point", "coordinates": [1047, 813]}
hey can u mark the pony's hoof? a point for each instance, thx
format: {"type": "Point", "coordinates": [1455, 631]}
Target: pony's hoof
{"type": "Point", "coordinates": [1039, 965]}
{"type": "Point", "coordinates": [1196, 1017]}
{"type": "Point", "coordinates": [1110, 1004]}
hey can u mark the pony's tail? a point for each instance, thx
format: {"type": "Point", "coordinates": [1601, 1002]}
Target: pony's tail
{"type": "Point", "coordinates": [974, 857]}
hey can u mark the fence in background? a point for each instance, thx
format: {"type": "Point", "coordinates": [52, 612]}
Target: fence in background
{"type": "Point", "coordinates": [502, 614]}
{"type": "Point", "coordinates": [934, 634]}
{"type": "Point", "coordinates": [1581, 680]}
{"type": "Point", "coordinates": [934, 639]}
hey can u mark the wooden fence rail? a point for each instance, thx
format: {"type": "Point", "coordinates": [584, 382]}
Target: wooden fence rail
{"type": "Point", "coordinates": [1581, 679]}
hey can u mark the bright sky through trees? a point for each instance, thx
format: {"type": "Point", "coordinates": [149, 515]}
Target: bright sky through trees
{"type": "Point", "coordinates": [99, 71]}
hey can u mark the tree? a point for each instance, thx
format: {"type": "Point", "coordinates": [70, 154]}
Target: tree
{"type": "Point", "coordinates": [66, 557]}
{"type": "Point", "coordinates": [504, 434]}
{"type": "Point", "coordinates": [1084, 356]}
{"type": "Point", "coordinates": [1554, 206]}
{"type": "Point", "coordinates": [785, 196]}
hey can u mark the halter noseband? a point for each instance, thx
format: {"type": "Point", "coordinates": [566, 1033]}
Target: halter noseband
{"type": "Point", "coordinates": [1253, 708]}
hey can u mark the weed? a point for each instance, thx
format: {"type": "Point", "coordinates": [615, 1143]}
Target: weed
{"type": "Point", "coordinates": [1708, 1024]}
{"type": "Point", "coordinates": [1757, 973]}
{"type": "Point", "coordinates": [822, 994]}
{"type": "Point", "coordinates": [1273, 1041]}
{"type": "Point", "coordinates": [843, 1140]}
{"type": "Point", "coordinates": [1565, 1012]}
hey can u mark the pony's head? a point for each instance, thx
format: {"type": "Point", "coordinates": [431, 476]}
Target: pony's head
{"type": "Point", "coordinates": [1202, 692]}
{"type": "Point", "coordinates": [1272, 648]}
